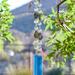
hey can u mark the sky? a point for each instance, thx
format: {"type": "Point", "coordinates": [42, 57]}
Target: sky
{"type": "Point", "coordinates": [17, 3]}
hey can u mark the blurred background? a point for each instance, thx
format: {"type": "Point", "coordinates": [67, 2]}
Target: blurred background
{"type": "Point", "coordinates": [17, 58]}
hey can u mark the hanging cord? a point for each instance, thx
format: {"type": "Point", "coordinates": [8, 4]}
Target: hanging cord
{"type": "Point", "coordinates": [37, 19]}
{"type": "Point", "coordinates": [37, 29]}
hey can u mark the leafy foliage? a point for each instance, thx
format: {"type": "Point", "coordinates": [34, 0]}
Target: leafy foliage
{"type": "Point", "coordinates": [61, 24]}
{"type": "Point", "coordinates": [6, 19]}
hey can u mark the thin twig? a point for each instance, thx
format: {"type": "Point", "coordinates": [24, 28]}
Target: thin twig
{"type": "Point", "coordinates": [58, 8]}
{"type": "Point", "coordinates": [59, 20]}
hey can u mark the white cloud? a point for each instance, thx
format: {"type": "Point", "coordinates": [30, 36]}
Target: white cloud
{"type": "Point", "coordinates": [17, 3]}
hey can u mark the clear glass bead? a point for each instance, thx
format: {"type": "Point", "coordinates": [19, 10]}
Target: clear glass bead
{"type": "Point", "coordinates": [36, 44]}
{"type": "Point", "coordinates": [40, 5]}
{"type": "Point", "coordinates": [36, 21]}
{"type": "Point", "coordinates": [40, 11]}
{"type": "Point", "coordinates": [36, 9]}
{"type": "Point", "coordinates": [36, 28]}
{"type": "Point", "coordinates": [36, 2]}
{"type": "Point", "coordinates": [39, 24]}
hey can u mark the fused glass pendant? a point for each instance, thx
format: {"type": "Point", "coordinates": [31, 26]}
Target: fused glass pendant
{"type": "Point", "coordinates": [38, 65]}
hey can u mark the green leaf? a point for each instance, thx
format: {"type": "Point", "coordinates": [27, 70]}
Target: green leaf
{"type": "Point", "coordinates": [60, 35]}
{"type": "Point", "coordinates": [1, 45]}
{"type": "Point", "coordinates": [73, 57]}
{"type": "Point", "coordinates": [47, 27]}
{"type": "Point", "coordinates": [64, 38]}
{"type": "Point", "coordinates": [6, 19]}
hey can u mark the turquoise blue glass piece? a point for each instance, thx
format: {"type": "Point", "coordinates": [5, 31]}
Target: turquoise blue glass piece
{"type": "Point", "coordinates": [38, 65]}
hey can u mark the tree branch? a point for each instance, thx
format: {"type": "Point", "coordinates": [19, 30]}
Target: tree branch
{"type": "Point", "coordinates": [58, 8]}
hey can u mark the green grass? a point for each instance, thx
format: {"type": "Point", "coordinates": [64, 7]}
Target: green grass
{"type": "Point", "coordinates": [13, 70]}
